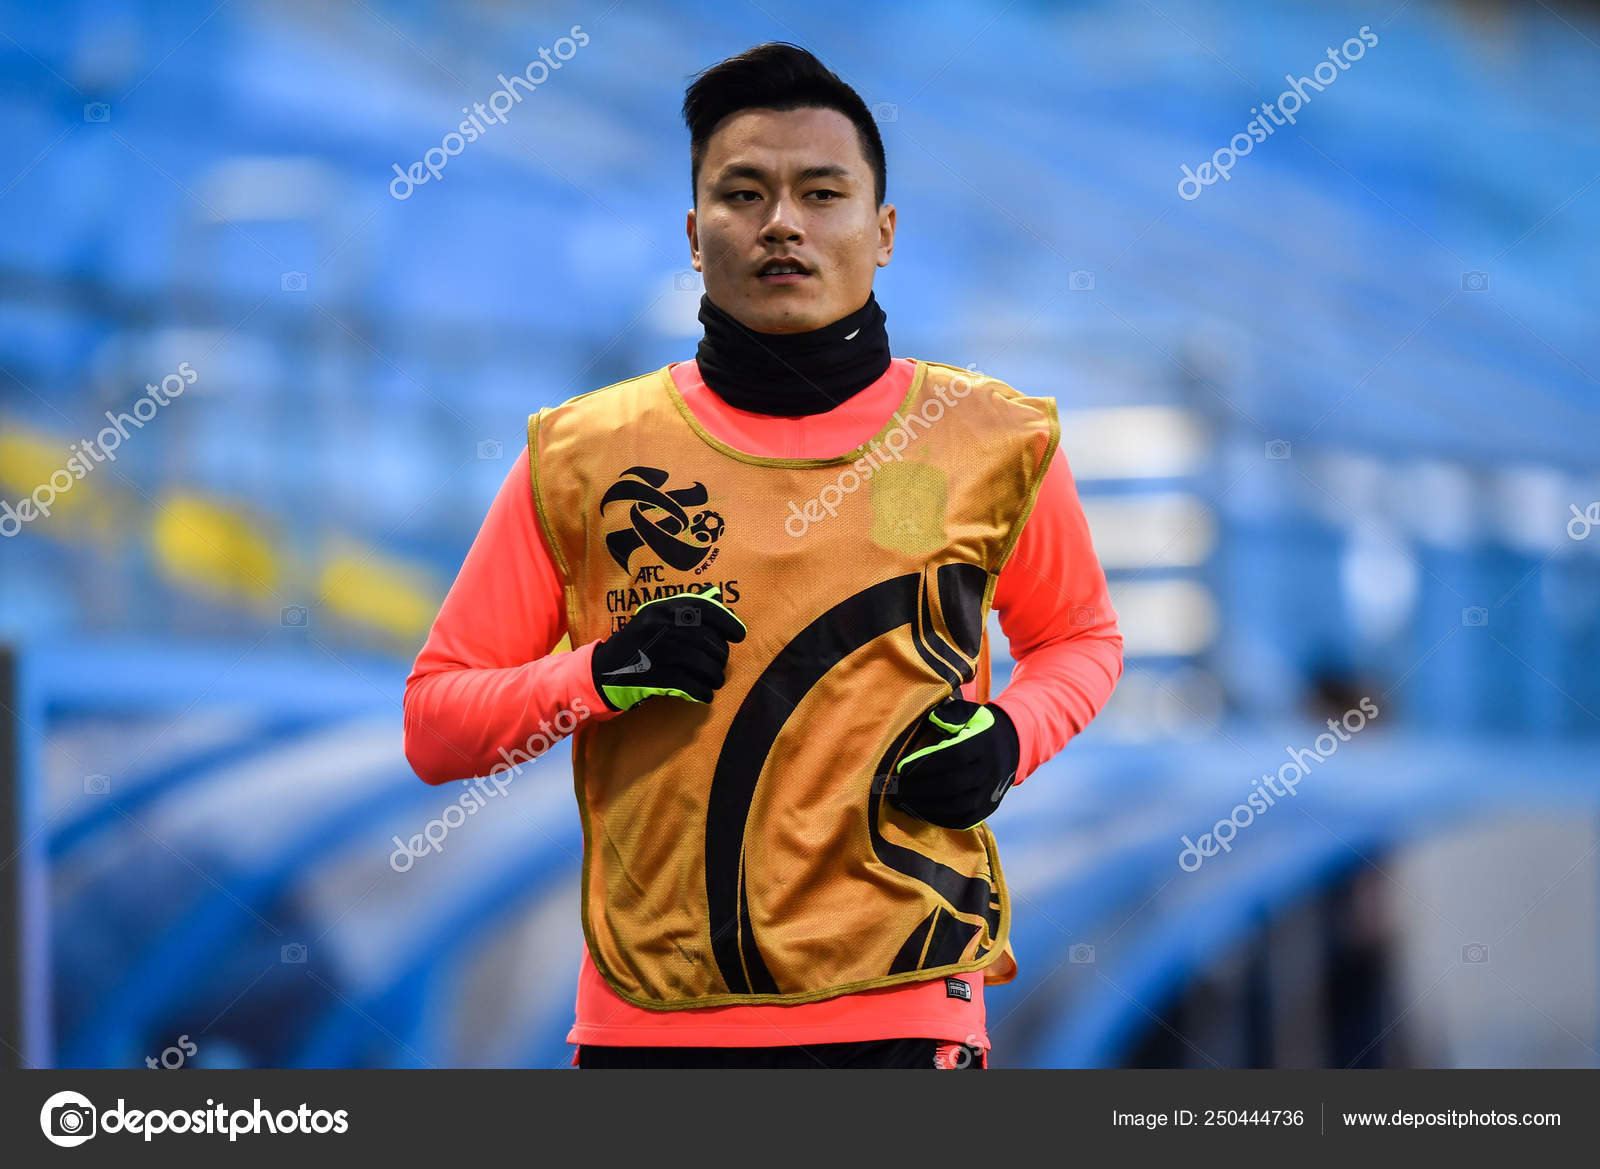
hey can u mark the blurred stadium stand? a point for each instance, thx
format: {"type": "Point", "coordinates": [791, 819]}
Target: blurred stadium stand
{"type": "Point", "coordinates": [1333, 422]}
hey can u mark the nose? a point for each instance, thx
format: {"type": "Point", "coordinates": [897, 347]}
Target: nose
{"type": "Point", "coordinates": [782, 226]}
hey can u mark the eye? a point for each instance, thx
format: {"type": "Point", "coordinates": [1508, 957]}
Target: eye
{"type": "Point", "coordinates": [734, 195]}
{"type": "Point", "coordinates": [834, 194]}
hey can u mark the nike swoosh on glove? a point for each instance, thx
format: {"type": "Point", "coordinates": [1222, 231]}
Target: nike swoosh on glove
{"type": "Point", "coordinates": [968, 764]}
{"type": "Point", "coordinates": [676, 646]}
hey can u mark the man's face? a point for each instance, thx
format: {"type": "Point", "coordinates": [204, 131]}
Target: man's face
{"type": "Point", "coordinates": [793, 185]}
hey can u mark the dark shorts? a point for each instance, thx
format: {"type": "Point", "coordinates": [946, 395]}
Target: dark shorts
{"type": "Point", "coordinates": [871, 1053]}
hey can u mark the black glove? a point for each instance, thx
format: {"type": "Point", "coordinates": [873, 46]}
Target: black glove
{"type": "Point", "coordinates": [674, 645]}
{"type": "Point", "coordinates": [960, 764]}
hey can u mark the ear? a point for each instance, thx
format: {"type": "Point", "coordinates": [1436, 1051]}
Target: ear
{"type": "Point", "coordinates": [694, 241]}
{"type": "Point", "coordinates": [886, 220]}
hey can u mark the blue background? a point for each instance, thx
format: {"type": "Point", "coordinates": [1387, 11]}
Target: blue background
{"type": "Point", "coordinates": [1334, 422]}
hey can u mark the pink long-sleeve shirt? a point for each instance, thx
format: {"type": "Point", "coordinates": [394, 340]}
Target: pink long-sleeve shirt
{"type": "Point", "coordinates": [486, 679]}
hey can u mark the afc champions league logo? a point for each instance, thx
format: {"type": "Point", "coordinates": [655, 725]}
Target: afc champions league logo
{"type": "Point", "coordinates": [675, 525]}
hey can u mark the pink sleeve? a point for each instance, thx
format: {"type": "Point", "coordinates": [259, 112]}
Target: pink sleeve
{"type": "Point", "coordinates": [1055, 611]}
{"type": "Point", "coordinates": [485, 690]}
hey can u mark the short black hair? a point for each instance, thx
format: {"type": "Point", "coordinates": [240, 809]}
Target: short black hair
{"type": "Point", "coordinates": [774, 76]}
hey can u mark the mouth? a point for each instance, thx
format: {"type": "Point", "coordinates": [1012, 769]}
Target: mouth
{"type": "Point", "coordinates": [783, 272]}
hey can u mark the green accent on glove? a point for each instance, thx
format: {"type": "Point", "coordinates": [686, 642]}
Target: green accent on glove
{"type": "Point", "coordinates": [976, 725]}
{"type": "Point", "coordinates": [709, 595]}
{"type": "Point", "coordinates": [625, 697]}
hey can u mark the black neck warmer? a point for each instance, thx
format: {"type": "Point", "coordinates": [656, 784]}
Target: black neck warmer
{"type": "Point", "coordinates": [792, 374]}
